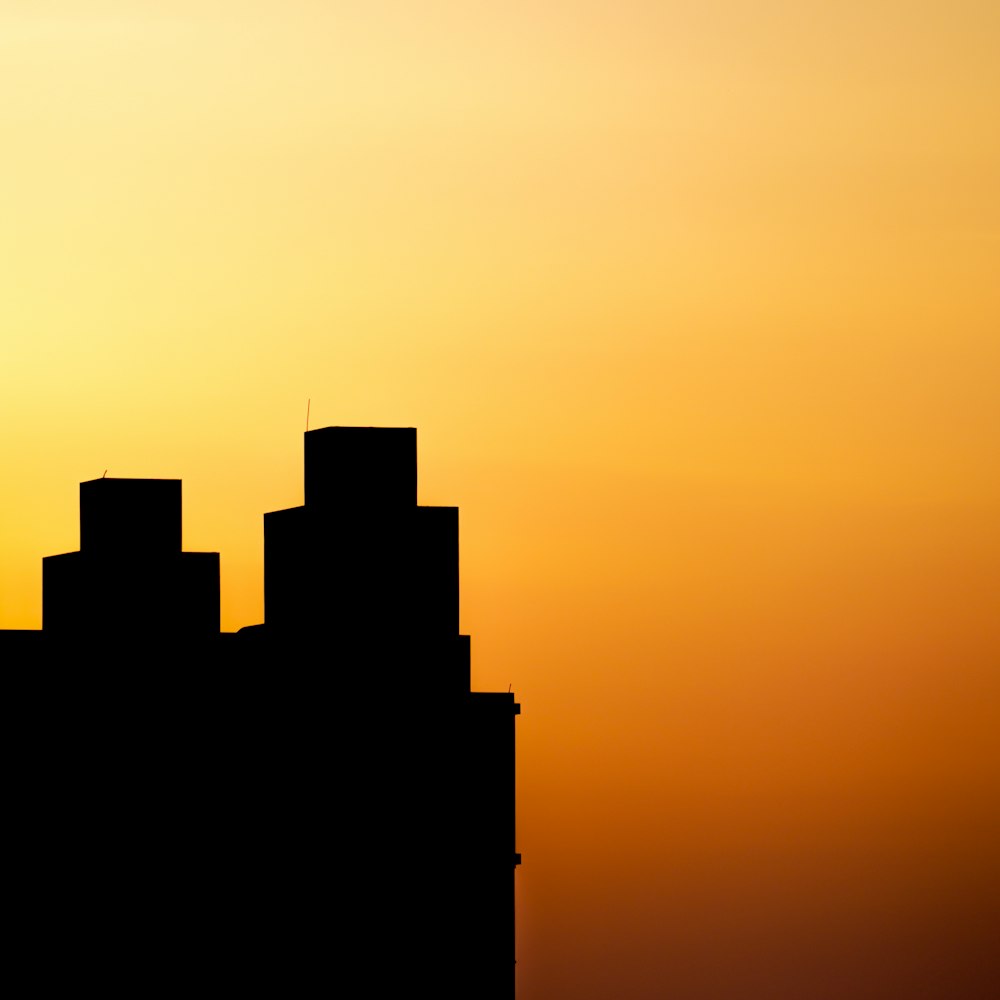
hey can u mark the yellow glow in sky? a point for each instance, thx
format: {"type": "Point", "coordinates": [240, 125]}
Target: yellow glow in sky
{"type": "Point", "coordinates": [696, 311]}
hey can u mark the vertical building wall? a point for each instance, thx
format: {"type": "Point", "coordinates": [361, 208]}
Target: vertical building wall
{"type": "Point", "coordinates": [368, 579]}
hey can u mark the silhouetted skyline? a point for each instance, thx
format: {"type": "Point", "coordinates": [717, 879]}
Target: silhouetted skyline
{"type": "Point", "coordinates": [319, 799]}
{"type": "Point", "coordinates": [696, 308]}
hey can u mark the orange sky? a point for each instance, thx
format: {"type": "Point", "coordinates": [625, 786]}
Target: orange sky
{"type": "Point", "coordinates": [696, 310]}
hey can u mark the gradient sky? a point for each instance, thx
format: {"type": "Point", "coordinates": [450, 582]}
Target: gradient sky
{"type": "Point", "coordinates": [696, 308]}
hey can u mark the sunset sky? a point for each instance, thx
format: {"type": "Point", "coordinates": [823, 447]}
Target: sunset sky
{"type": "Point", "coordinates": [696, 309]}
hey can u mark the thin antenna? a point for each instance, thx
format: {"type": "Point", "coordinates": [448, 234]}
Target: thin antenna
{"type": "Point", "coordinates": [105, 476]}
{"type": "Point", "coordinates": [308, 404]}
{"type": "Point", "coordinates": [509, 686]}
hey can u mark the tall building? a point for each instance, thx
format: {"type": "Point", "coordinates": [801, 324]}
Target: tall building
{"type": "Point", "coordinates": [314, 802]}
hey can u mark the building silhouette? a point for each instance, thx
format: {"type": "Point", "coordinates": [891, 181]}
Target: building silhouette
{"type": "Point", "coordinates": [319, 801]}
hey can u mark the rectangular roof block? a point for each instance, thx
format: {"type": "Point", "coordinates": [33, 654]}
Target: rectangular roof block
{"type": "Point", "coordinates": [367, 467]}
{"type": "Point", "coordinates": [121, 514]}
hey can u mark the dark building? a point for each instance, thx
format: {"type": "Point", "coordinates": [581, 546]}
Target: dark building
{"type": "Point", "coordinates": [316, 802]}
{"type": "Point", "coordinates": [130, 575]}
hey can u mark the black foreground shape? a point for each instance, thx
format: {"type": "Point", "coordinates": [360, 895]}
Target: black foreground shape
{"type": "Point", "coordinates": [316, 805]}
